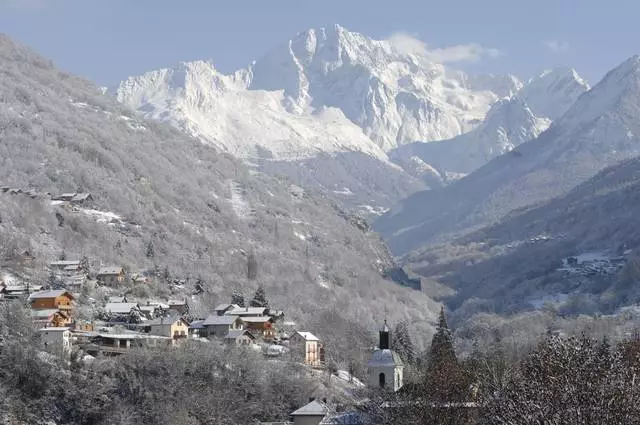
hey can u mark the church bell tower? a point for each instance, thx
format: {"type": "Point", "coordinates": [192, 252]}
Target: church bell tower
{"type": "Point", "coordinates": [385, 367]}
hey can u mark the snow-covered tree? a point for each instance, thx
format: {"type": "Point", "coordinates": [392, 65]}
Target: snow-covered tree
{"type": "Point", "coordinates": [237, 298]}
{"type": "Point", "coordinates": [259, 298]}
{"type": "Point", "coordinates": [402, 343]}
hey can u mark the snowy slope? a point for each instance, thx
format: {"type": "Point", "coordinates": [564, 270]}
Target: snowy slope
{"type": "Point", "coordinates": [599, 130]}
{"type": "Point", "coordinates": [219, 109]}
{"type": "Point", "coordinates": [327, 90]}
{"type": "Point", "coordinates": [509, 123]}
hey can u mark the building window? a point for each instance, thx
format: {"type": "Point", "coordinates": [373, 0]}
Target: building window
{"type": "Point", "coordinates": [381, 380]}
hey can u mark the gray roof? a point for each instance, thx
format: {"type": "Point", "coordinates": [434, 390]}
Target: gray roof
{"type": "Point", "coordinates": [235, 333]}
{"type": "Point", "coordinates": [247, 311]}
{"type": "Point", "coordinates": [385, 358]}
{"type": "Point", "coordinates": [120, 308]}
{"type": "Point", "coordinates": [49, 294]}
{"type": "Point", "coordinates": [214, 320]}
{"type": "Point", "coordinates": [163, 321]}
{"type": "Point", "coordinates": [257, 319]}
{"type": "Point", "coordinates": [197, 324]}
{"type": "Point", "coordinates": [222, 307]}
{"type": "Point", "coordinates": [112, 270]}
{"type": "Point", "coordinates": [64, 263]}
{"type": "Point", "coordinates": [315, 408]}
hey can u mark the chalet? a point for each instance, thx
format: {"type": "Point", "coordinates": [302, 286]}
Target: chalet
{"type": "Point", "coordinates": [66, 266]}
{"type": "Point", "coordinates": [261, 326]}
{"type": "Point", "coordinates": [180, 307]}
{"type": "Point", "coordinates": [140, 278]}
{"type": "Point", "coordinates": [81, 198]}
{"type": "Point", "coordinates": [196, 328]}
{"type": "Point", "coordinates": [48, 318]}
{"type": "Point", "coordinates": [122, 310]}
{"type": "Point", "coordinates": [60, 299]}
{"type": "Point", "coordinates": [15, 292]}
{"type": "Point", "coordinates": [57, 340]}
{"type": "Point", "coordinates": [112, 344]}
{"type": "Point", "coordinates": [218, 326]}
{"type": "Point", "coordinates": [111, 276]}
{"type": "Point", "coordinates": [222, 309]}
{"type": "Point", "coordinates": [305, 346]}
{"type": "Point", "coordinates": [172, 327]}
{"type": "Point", "coordinates": [239, 337]}
{"type": "Point", "coordinates": [247, 311]}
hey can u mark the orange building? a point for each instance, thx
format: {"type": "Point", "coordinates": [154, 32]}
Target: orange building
{"type": "Point", "coordinates": [60, 300]}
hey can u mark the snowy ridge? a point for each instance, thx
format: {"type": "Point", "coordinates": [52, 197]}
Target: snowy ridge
{"type": "Point", "coordinates": [327, 90]}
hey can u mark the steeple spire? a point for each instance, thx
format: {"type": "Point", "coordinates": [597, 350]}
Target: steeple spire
{"type": "Point", "coordinates": [385, 337]}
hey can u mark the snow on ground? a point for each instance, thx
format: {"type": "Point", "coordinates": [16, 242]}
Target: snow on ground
{"type": "Point", "coordinates": [8, 278]}
{"type": "Point", "coordinates": [239, 204]}
{"type": "Point", "coordinates": [102, 216]}
{"type": "Point", "coordinates": [344, 191]}
{"type": "Point", "coordinates": [374, 210]}
{"type": "Point", "coordinates": [346, 376]}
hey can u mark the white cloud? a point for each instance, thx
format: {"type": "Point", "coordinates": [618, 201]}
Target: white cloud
{"type": "Point", "coordinates": [472, 52]}
{"type": "Point", "coordinates": [557, 46]}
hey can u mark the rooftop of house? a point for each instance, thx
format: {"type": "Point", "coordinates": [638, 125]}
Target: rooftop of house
{"type": "Point", "coordinates": [54, 329]}
{"type": "Point", "coordinates": [307, 336]}
{"type": "Point", "coordinates": [117, 299]}
{"type": "Point", "coordinates": [214, 320]}
{"type": "Point", "coordinates": [50, 294]}
{"type": "Point", "coordinates": [235, 333]}
{"type": "Point", "coordinates": [197, 324]}
{"type": "Point", "coordinates": [44, 314]}
{"type": "Point", "coordinates": [314, 408]}
{"type": "Point", "coordinates": [223, 307]}
{"type": "Point", "coordinates": [64, 263]}
{"type": "Point", "coordinates": [120, 308]}
{"type": "Point", "coordinates": [110, 270]}
{"type": "Point", "coordinates": [177, 303]}
{"type": "Point", "coordinates": [247, 311]}
{"type": "Point", "coordinates": [129, 335]}
{"type": "Point", "coordinates": [385, 358]}
{"type": "Point", "coordinates": [161, 321]}
{"type": "Point", "coordinates": [256, 319]}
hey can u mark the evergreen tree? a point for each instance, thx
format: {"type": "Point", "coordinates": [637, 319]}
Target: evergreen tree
{"type": "Point", "coordinates": [151, 252]}
{"type": "Point", "coordinates": [441, 353]}
{"type": "Point", "coordinates": [252, 267]}
{"type": "Point", "coordinates": [401, 343]}
{"type": "Point", "coordinates": [237, 298]}
{"type": "Point", "coordinates": [259, 298]}
{"type": "Point", "coordinates": [84, 264]}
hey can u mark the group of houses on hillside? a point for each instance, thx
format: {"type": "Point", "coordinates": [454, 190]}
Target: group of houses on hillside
{"type": "Point", "coordinates": [73, 198]}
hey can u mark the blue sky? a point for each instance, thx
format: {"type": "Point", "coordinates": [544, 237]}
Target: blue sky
{"type": "Point", "coordinates": [108, 40]}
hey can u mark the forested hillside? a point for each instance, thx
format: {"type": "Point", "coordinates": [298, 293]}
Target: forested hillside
{"type": "Point", "coordinates": [181, 206]}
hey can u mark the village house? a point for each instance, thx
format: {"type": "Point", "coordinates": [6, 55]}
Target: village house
{"type": "Point", "coordinates": [66, 266]}
{"type": "Point", "coordinates": [15, 292]}
{"type": "Point", "coordinates": [218, 326]}
{"type": "Point", "coordinates": [57, 340]}
{"type": "Point", "coordinates": [48, 318]}
{"type": "Point", "coordinates": [306, 347]}
{"type": "Point", "coordinates": [81, 198]}
{"type": "Point", "coordinates": [111, 276]}
{"type": "Point", "coordinates": [261, 326]}
{"type": "Point", "coordinates": [222, 309]}
{"type": "Point", "coordinates": [247, 311]}
{"type": "Point", "coordinates": [239, 337]}
{"type": "Point", "coordinates": [196, 328]}
{"type": "Point", "coordinates": [111, 344]}
{"type": "Point", "coordinates": [59, 299]}
{"type": "Point", "coordinates": [173, 327]}
{"type": "Point", "coordinates": [180, 307]}
{"type": "Point", "coordinates": [122, 310]}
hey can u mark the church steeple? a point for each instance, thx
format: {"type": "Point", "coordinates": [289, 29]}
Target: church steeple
{"type": "Point", "coordinates": [385, 337]}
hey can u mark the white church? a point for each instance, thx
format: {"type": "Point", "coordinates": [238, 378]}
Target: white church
{"type": "Point", "coordinates": [385, 366]}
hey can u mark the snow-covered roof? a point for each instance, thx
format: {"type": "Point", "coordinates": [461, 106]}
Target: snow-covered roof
{"type": "Point", "coordinates": [120, 308]}
{"type": "Point", "coordinates": [247, 311]}
{"type": "Point", "coordinates": [255, 319]}
{"type": "Point", "coordinates": [315, 408]}
{"type": "Point", "coordinates": [116, 299]}
{"type": "Point", "coordinates": [50, 294]}
{"type": "Point", "coordinates": [111, 270]}
{"type": "Point", "coordinates": [44, 314]}
{"type": "Point", "coordinates": [53, 329]}
{"type": "Point", "coordinates": [385, 358]}
{"type": "Point", "coordinates": [223, 307]}
{"type": "Point", "coordinates": [214, 320]}
{"type": "Point", "coordinates": [64, 263]}
{"type": "Point", "coordinates": [307, 336]}
{"type": "Point", "coordinates": [160, 321]}
{"type": "Point", "coordinates": [177, 303]}
{"type": "Point", "coordinates": [235, 333]}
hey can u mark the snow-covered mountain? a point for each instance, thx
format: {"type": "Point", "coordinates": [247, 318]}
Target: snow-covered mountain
{"type": "Point", "coordinates": [509, 123]}
{"type": "Point", "coordinates": [599, 130]}
{"type": "Point", "coordinates": [327, 90]}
